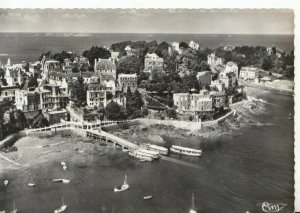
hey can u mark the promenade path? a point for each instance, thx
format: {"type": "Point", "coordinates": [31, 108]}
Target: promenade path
{"type": "Point", "coordinates": [116, 140]}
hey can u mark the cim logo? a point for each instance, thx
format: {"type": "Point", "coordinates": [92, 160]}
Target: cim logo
{"type": "Point", "coordinates": [271, 207]}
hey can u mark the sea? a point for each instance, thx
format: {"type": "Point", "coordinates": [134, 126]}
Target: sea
{"type": "Point", "coordinates": [29, 46]}
{"type": "Point", "coordinates": [236, 174]}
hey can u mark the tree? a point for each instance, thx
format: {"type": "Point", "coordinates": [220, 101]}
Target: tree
{"type": "Point", "coordinates": [2, 73]}
{"type": "Point", "coordinates": [183, 45]}
{"type": "Point", "coordinates": [129, 64]}
{"type": "Point", "coordinates": [172, 113]}
{"type": "Point", "coordinates": [267, 63]}
{"type": "Point", "coordinates": [163, 46]}
{"type": "Point", "coordinates": [33, 82]}
{"type": "Point", "coordinates": [48, 55]}
{"type": "Point", "coordinates": [134, 102]}
{"type": "Point", "coordinates": [79, 92]}
{"type": "Point", "coordinates": [109, 95]}
{"type": "Point", "coordinates": [273, 50]}
{"type": "Point", "coordinates": [190, 82]}
{"type": "Point", "coordinates": [113, 111]}
{"type": "Point", "coordinates": [96, 52]}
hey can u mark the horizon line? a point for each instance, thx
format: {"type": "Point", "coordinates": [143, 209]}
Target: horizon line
{"type": "Point", "coordinates": [193, 33]}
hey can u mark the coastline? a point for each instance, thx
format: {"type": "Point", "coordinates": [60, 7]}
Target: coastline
{"type": "Point", "coordinates": [138, 133]}
{"type": "Point", "coordinates": [155, 133]}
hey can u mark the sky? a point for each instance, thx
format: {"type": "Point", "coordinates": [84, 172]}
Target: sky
{"type": "Point", "coordinates": [210, 21]}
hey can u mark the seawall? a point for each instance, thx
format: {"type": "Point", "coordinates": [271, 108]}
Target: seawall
{"type": "Point", "coordinates": [188, 125]}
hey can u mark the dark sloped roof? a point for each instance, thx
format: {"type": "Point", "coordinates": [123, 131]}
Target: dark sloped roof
{"type": "Point", "coordinates": [107, 77]}
{"type": "Point", "coordinates": [105, 64]}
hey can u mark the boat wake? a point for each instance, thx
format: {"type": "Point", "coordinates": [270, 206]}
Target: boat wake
{"type": "Point", "coordinates": [180, 162]}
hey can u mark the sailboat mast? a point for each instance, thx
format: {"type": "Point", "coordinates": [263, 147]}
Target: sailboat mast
{"type": "Point", "coordinates": [125, 179]}
{"type": "Point", "coordinates": [193, 201]}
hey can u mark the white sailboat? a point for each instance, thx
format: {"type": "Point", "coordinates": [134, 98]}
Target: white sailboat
{"type": "Point", "coordinates": [148, 197]}
{"type": "Point", "coordinates": [31, 184]}
{"type": "Point", "coordinates": [62, 208]}
{"type": "Point", "coordinates": [124, 187]}
{"type": "Point", "coordinates": [192, 209]}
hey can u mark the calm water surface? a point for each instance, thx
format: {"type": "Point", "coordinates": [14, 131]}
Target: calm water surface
{"type": "Point", "coordinates": [29, 46]}
{"type": "Point", "coordinates": [234, 175]}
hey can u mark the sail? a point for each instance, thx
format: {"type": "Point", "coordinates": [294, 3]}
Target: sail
{"type": "Point", "coordinates": [192, 209]}
{"type": "Point", "coordinates": [125, 179]}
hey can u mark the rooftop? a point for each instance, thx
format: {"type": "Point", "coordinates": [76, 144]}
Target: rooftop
{"type": "Point", "coordinates": [105, 64]}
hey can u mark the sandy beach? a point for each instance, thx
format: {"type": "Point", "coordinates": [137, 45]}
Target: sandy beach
{"type": "Point", "coordinates": [43, 147]}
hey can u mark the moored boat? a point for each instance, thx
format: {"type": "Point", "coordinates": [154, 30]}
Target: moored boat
{"type": "Point", "coordinates": [124, 187]}
{"type": "Point", "coordinates": [61, 180]}
{"type": "Point", "coordinates": [5, 182]}
{"type": "Point", "coordinates": [161, 150]}
{"type": "Point", "coordinates": [66, 181]}
{"type": "Point", "coordinates": [154, 154]}
{"type": "Point", "coordinates": [140, 155]}
{"type": "Point", "coordinates": [62, 208]}
{"type": "Point", "coordinates": [31, 184]}
{"type": "Point", "coordinates": [148, 197]}
{"type": "Point", "coordinates": [186, 151]}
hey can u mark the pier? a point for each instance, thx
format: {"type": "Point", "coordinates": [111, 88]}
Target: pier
{"type": "Point", "coordinates": [100, 134]}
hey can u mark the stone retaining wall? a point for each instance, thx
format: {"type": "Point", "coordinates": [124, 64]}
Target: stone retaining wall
{"type": "Point", "coordinates": [189, 125]}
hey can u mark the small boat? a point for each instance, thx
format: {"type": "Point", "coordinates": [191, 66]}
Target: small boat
{"type": "Point", "coordinates": [61, 180]}
{"type": "Point", "coordinates": [47, 145]}
{"type": "Point", "coordinates": [141, 155]}
{"type": "Point", "coordinates": [31, 184]}
{"type": "Point", "coordinates": [289, 118]}
{"type": "Point", "coordinates": [192, 209]}
{"type": "Point", "coordinates": [154, 154]}
{"type": "Point", "coordinates": [161, 150]}
{"type": "Point", "coordinates": [142, 160]}
{"type": "Point", "coordinates": [148, 197]}
{"type": "Point", "coordinates": [65, 168]}
{"type": "Point", "coordinates": [62, 208]}
{"type": "Point", "coordinates": [63, 163]}
{"type": "Point", "coordinates": [186, 151]}
{"type": "Point", "coordinates": [124, 187]}
{"type": "Point", "coordinates": [6, 182]}
{"type": "Point", "coordinates": [66, 181]}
